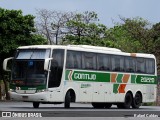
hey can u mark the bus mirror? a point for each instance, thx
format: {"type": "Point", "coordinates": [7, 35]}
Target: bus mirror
{"type": "Point", "coordinates": [46, 63]}
{"type": "Point", "coordinates": [5, 64]}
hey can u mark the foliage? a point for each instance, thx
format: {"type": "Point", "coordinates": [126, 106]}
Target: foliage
{"type": "Point", "coordinates": [83, 29]}
{"type": "Point", "coordinates": [133, 35]}
{"type": "Point", "coordinates": [15, 30]}
{"type": "Point", "coordinates": [52, 24]}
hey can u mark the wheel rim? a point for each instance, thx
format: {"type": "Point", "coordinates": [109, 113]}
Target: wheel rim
{"type": "Point", "coordinates": [137, 99]}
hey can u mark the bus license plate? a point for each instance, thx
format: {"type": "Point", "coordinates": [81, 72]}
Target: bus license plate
{"type": "Point", "coordinates": [25, 97]}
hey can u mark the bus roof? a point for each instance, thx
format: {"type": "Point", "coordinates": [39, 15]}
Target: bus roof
{"type": "Point", "coordinates": [89, 48]}
{"type": "Point", "coordinates": [70, 46]}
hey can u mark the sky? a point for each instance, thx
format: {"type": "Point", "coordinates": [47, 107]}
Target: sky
{"type": "Point", "coordinates": [108, 10]}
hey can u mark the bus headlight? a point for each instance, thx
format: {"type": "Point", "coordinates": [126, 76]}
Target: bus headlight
{"type": "Point", "coordinates": [43, 90]}
{"type": "Point", "coordinates": [12, 90]}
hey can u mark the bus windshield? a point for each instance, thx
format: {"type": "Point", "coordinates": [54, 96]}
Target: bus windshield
{"type": "Point", "coordinates": [28, 68]}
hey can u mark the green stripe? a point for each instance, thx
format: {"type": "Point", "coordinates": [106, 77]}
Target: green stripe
{"type": "Point", "coordinates": [141, 79]}
{"type": "Point", "coordinates": [67, 73]}
{"type": "Point", "coordinates": [105, 77]}
{"type": "Point", "coordinates": [115, 88]}
{"type": "Point", "coordinates": [133, 78]}
{"type": "Point", "coordinates": [119, 78]}
{"type": "Point", "coordinates": [90, 76]}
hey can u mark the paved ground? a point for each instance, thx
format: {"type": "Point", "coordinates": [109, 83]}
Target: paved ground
{"type": "Point", "coordinates": [77, 111]}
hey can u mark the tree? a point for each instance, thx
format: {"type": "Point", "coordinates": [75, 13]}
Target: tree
{"type": "Point", "coordinates": [15, 30]}
{"type": "Point", "coordinates": [83, 29]}
{"type": "Point", "coordinates": [52, 24]}
{"type": "Point", "coordinates": [156, 40]}
{"type": "Point", "coordinates": [133, 35]}
{"type": "Point", "coordinates": [120, 38]}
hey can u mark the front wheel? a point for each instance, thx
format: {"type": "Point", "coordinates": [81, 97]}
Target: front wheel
{"type": "Point", "coordinates": [36, 104]}
{"type": "Point", "coordinates": [67, 100]}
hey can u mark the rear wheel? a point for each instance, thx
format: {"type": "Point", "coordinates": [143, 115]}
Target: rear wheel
{"type": "Point", "coordinates": [127, 102]}
{"type": "Point", "coordinates": [67, 100]}
{"type": "Point", "coordinates": [36, 104]}
{"type": "Point", "coordinates": [137, 101]}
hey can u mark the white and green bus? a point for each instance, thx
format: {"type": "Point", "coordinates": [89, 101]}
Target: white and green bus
{"type": "Point", "coordinates": [102, 76]}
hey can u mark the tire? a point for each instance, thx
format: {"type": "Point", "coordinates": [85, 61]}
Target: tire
{"type": "Point", "coordinates": [67, 100]}
{"type": "Point", "coordinates": [108, 105]}
{"type": "Point", "coordinates": [137, 101]}
{"type": "Point", "coordinates": [35, 104]}
{"type": "Point", "coordinates": [98, 105]}
{"type": "Point", "coordinates": [128, 101]}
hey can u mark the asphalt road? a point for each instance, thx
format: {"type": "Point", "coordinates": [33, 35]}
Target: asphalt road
{"type": "Point", "coordinates": [79, 111]}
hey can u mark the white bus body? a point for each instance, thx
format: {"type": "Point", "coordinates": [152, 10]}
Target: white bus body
{"type": "Point", "coordinates": [80, 73]}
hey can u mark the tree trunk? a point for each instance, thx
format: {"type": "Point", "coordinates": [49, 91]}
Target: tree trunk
{"type": "Point", "coordinates": [6, 89]}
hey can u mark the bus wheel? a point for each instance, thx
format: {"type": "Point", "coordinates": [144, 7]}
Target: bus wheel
{"type": "Point", "coordinates": [137, 101]}
{"type": "Point", "coordinates": [128, 101]}
{"type": "Point", "coordinates": [36, 104]}
{"type": "Point", "coordinates": [108, 105]}
{"type": "Point", "coordinates": [98, 105]}
{"type": "Point", "coordinates": [67, 100]}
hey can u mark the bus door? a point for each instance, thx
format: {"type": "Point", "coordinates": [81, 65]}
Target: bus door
{"type": "Point", "coordinates": [55, 75]}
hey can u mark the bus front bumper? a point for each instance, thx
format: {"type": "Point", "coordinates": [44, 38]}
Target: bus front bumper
{"type": "Point", "coordinates": [37, 97]}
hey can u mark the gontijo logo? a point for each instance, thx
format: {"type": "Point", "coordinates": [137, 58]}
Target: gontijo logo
{"type": "Point", "coordinates": [83, 76]}
{"type": "Point", "coordinates": [147, 80]}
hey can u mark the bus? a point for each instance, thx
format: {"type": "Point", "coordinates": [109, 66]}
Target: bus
{"type": "Point", "coordinates": [101, 76]}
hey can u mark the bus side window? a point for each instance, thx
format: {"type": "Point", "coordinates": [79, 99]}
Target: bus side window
{"type": "Point", "coordinates": [103, 62]}
{"type": "Point", "coordinates": [69, 60]}
{"type": "Point", "coordinates": [73, 60]}
{"type": "Point", "coordinates": [89, 61]}
{"type": "Point", "coordinates": [77, 60]}
{"type": "Point", "coordinates": [140, 65]}
{"type": "Point", "coordinates": [150, 65]}
{"type": "Point", "coordinates": [117, 63]}
{"type": "Point", "coordinates": [129, 64]}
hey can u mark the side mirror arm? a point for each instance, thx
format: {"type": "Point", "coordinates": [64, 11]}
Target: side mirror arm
{"type": "Point", "coordinates": [46, 63]}
{"type": "Point", "coordinates": [5, 63]}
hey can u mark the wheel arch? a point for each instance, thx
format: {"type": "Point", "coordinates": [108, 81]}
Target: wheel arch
{"type": "Point", "coordinates": [129, 91]}
{"type": "Point", "coordinates": [72, 94]}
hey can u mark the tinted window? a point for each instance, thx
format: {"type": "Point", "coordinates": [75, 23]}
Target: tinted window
{"type": "Point", "coordinates": [130, 64]}
{"type": "Point", "coordinates": [150, 66]}
{"type": "Point", "coordinates": [88, 60]}
{"type": "Point", "coordinates": [117, 63]}
{"type": "Point", "coordinates": [73, 60]}
{"type": "Point", "coordinates": [56, 68]}
{"type": "Point", "coordinates": [103, 62]}
{"type": "Point", "coordinates": [33, 54]}
{"type": "Point", "coordinates": [140, 65]}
